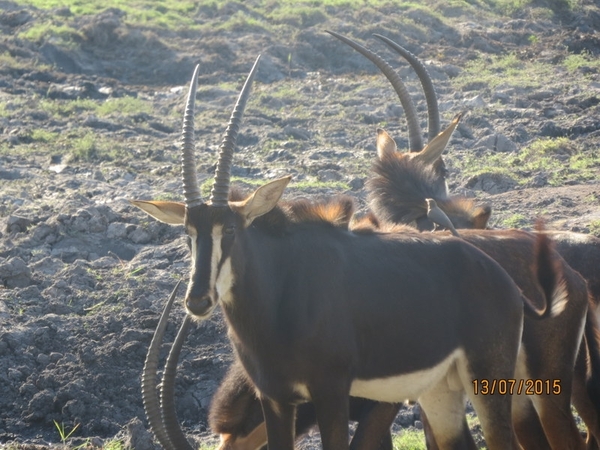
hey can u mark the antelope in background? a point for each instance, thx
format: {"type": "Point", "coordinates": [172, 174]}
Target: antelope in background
{"type": "Point", "coordinates": [318, 312]}
{"type": "Point", "coordinates": [397, 191]}
{"type": "Point", "coordinates": [236, 416]}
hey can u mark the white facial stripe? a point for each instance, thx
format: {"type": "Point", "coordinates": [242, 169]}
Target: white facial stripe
{"type": "Point", "coordinates": [225, 281]}
{"type": "Point", "coordinates": [192, 233]}
{"type": "Point", "coordinates": [221, 274]}
{"type": "Point", "coordinates": [215, 259]}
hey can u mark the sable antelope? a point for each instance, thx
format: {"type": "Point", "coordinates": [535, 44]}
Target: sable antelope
{"type": "Point", "coordinates": [317, 312]}
{"type": "Point", "coordinates": [540, 357]}
{"type": "Point", "coordinates": [585, 387]}
{"type": "Point", "coordinates": [397, 193]}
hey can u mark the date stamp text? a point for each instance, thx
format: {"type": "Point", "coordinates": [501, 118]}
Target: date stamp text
{"type": "Point", "coordinates": [512, 386]}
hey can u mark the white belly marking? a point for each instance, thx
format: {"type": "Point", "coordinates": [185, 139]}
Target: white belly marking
{"type": "Point", "coordinates": [409, 386]}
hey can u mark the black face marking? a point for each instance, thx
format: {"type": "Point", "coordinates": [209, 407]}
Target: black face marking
{"type": "Point", "coordinates": [212, 233]}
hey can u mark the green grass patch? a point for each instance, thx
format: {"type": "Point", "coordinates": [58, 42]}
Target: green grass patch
{"type": "Point", "coordinates": [315, 184]}
{"type": "Point", "coordinates": [87, 146]}
{"type": "Point", "coordinates": [9, 61]}
{"type": "Point", "coordinates": [558, 159]}
{"type": "Point", "coordinates": [84, 148]}
{"type": "Point", "coordinates": [124, 105]}
{"type": "Point", "coordinates": [3, 110]}
{"type": "Point", "coordinates": [252, 184]}
{"type": "Point", "coordinates": [232, 15]}
{"type": "Point", "coordinates": [300, 16]}
{"type": "Point", "coordinates": [41, 135]}
{"type": "Point", "coordinates": [510, 7]}
{"type": "Point", "coordinates": [121, 105]}
{"type": "Point", "coordinates": [114, 445]}
{"type": "Point", "coordinates": [78, 145]}
{"type": "Point", "coordinates": [409, 439]}
{"type": "Point", "coordinates": [65, 34]}
{"type": "Point", "coordinates": [506, 70]}
{"type": "Point", "coordinates": [514, 221]}
{"type": "Point", "coordinates": [594, 227]}
{"type": "Point", "coordinates": [575, 62]}
{"type": "Point", "coordinates": [206, 187]}
{"type": "Point", "coordinates": [64, 108]}
{"type": "Point", "coordinates": [166, 14]}
{"type": "Point", "coordinates": [64, 432]}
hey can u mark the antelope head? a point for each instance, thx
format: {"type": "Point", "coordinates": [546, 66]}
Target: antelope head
{"type": "Point", "coordinates": [212, 225]}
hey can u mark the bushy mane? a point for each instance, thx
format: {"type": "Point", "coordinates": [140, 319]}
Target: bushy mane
{"type": "Point", "coordinates": [399, 186]}
{"type": "Point", "coordinates": [334, 211]}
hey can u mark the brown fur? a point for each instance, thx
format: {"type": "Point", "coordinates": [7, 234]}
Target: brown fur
{"type": "Point", "coordinates": [335, 211]}
{"type": "Point", "coordinates": [288, 334]}
{"type": "Point", "coordinates": [391, 190]}
{"type": "Point", "coordinates": [235, 411]}
{"type": "Point", "coordinates": [399, 185]}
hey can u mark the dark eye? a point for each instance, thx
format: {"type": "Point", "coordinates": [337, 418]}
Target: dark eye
{"type": "Point", "coordinates": [229, 230]}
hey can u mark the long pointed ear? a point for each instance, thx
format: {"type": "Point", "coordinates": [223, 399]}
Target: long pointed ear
{"type": "Point", "coordinates": [386, 146]}
{"type": "Point", "coordinates": [168, 212]}
{"type": "Point", "coordinates": [434, 149]}
{"type": "Point", "coordinates": [261, 201]}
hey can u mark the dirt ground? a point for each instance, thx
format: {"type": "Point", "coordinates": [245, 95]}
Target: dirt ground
{"type": "Point", "coordinates": [84, 275]}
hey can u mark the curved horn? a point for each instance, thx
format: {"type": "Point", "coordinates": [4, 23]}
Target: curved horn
{"type": "Point", "coordinates": [220, 189]}
{"type": "Point", "coordinates": [149, 394]}
{"type": "Point", "coordinates": [439, 217]}
{"type": "Point", "coordinates": [191, 190]}
{"type": "Point", "coordinates": [414, 131]}
{"type": "Point", "coordinates": [433, 111]}
{"type": "Point", "coordinates": [167, 392]}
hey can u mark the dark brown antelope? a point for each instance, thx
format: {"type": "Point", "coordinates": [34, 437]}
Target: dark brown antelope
{"type": "Point", "coordinates": [317, 312]}
{"type": "Point", "coordinates": [397, 192]}
{"type": "Point", "coordinates": [511, 249]}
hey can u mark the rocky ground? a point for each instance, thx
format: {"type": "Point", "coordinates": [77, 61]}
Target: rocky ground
{"type": "Point", "coordinates": [86, 127]}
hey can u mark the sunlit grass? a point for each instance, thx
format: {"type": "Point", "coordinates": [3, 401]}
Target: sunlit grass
{"type": "Point", "coordinates": [65, 33]}
{"type": "Point", "coordinates": [123, 105]}
{"type": "Point", "coordinates": [509, 70]}
{"type": "Point", "coordinates": [559, 159]}
{"type": "Point", "coordinates": [575, 62]}
{"type": "Point", "coordinates": [67, 108]}
{"type": "Point", "coordinates": [409, 439]}
{"type": "Point", "coordinates": [102, 108]}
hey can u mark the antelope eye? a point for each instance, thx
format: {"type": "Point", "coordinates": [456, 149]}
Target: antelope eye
{"type": "Point", "coordinates": [229, 230]}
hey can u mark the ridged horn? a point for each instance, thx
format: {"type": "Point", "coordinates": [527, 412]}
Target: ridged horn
{"type": "Point", "coordinates": [167, 392]}
{"type": "Point", "coordinates": [191, 190]}
{"type": "Point", "coordinates": [414, 130]}
{"type": "Point", "coordinates": [149, 385]}
{"type": "Point", "coordinates": [433, 111]}
{"type": "Point", "coordinates": [220, 189]}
